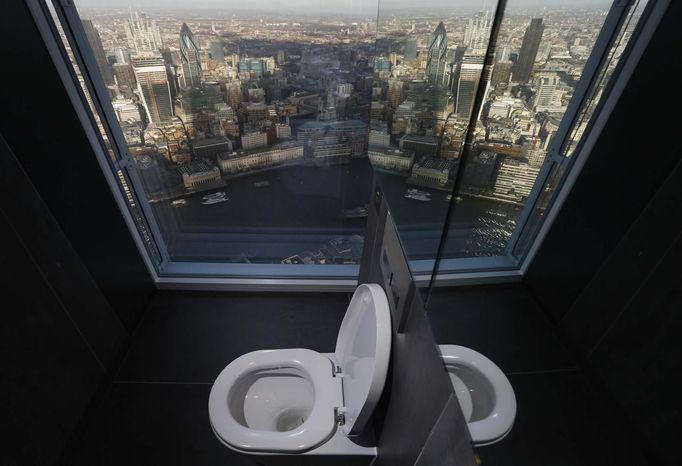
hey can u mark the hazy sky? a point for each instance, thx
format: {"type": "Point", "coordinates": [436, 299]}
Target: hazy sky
{"type": "Point", "coordinates": [337, 6]}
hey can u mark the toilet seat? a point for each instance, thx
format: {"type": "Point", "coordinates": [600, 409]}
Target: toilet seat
{"type": "Point", "coordinates": [292, 400]}
{"type": "Point", "coordinates": [499, 422]}
{"type": "Point", "coordinates": [317, 427]}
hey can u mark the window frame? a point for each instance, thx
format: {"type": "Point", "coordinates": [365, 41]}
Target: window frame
{"type": "Point", "coordinates": [168, 274]}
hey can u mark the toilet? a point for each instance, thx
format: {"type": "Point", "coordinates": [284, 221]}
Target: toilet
{"type": "Point", "coordinates": [484, 393]}
{"type": "Point", "coordinates": [299, 401]}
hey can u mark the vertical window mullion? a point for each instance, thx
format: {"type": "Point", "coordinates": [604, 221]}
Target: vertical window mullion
{"type": "Point", "coordinates": [610, 29]}
{"type": "Point", "coordinates": [86, 61]}
{"type": "Point", "coordinates": [469, 136]}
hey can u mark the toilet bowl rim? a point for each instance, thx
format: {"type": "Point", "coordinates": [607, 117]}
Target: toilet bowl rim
{"type": "Point", "coordinates": [501, 419]}
{"type": "Point", "coordinates": [316, 429]}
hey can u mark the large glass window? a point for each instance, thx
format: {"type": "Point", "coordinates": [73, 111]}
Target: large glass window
{"type": "Point", "coordinates": [250, 136]}
{"type": "Point", "coordinates": [505, 97]}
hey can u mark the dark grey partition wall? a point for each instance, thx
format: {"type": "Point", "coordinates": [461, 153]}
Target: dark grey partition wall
{"type": "Point", "coordinates": [419, 421]}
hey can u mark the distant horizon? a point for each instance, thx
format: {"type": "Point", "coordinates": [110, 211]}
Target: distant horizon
{"type": "Point", "coordinates": [336, 7]}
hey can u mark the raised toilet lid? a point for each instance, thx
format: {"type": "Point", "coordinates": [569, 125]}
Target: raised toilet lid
{"type": "Point", "coordinates": [363, 351]}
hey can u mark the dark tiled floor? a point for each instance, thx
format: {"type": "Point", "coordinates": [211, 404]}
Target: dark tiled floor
{"type": "Point", "coordinates": [562, 419]}
{"type": "Point", "coordinates": [149, 424]}
{"type": "Point", "coordinates": [155, 412]}
{"type": "Point", "coordinates": [191, 337]}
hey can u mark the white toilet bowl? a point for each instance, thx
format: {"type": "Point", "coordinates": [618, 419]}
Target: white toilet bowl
{"type": "Point", "coordinates": [298, 401]}
{"type": "Point", "coordinates": [484, 393]}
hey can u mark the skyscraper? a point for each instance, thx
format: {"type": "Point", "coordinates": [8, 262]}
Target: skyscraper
{"type": "Point", "coordinates": [153, 87]}
{"type": "Point", "coordinates": [396, 94]}
{"type": "Point", "coordinates": [125, 75]}
{"type": "Point", "coordinates": [281, 57]}
{"type": "Point", "coordinates": [523, 68]}
{"type": "Point", "coordinates": [469, 75]}
{"type": "Point", "coordinates": [501, 73]}
{"type": "Point", "coordinates": [382, 64]}
{"type": "Point", "coordinates": [436, 62]}
{"type": "Point", "coordinates": [477, 32]}
{"type": "Point", "coordinates": [217, 53]}
{"type": "Point", "coordinates": [252, 65]}
{"type": "Point", "coordinates": [410, 49]}
{"type": "Point", "coordinates": [96, 45]}
{"type": "Point", "coordinates": [549, 92]}
{"type": "Point", "coordinates": [233, 94]}
{"type": "Point", "coordinates": [190, 57]}
{"type": "Point", "coordinates": [142, 33]}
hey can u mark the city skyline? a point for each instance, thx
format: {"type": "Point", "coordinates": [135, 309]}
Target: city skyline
{"type": "Point", "coordinates": [350, 7]}
{"type": "Point", "coordinates": [216, 107]}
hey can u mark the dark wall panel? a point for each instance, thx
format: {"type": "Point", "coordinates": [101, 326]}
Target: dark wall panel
{"type": "Point", "coordinates": [640, 357]}
{"type": "Point", "coordinates": [58, 262]}
{"type": "Point", "coordinates": [627, 322]}
{"type": "Point", "coordinates": [49, 374]}
{"type": "Point", "coordinates": [643, 246]}
{"type": "Point", "coordinates": [608, 273]}
{"type": "Point", "coordinates": [47, 138]}
{"type": "Point", "coordinates": [633, 156]}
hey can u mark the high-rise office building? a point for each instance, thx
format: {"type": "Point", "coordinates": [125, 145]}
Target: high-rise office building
{"type": "Point", "coordinates": [501, 73]}
{"type": "Point", "coordinates": [470, 73]}
{"type": "Point", "coordinates": [436, 64]}
{"type": "Point", "coordinates": [258, 66]}
{"type": "Point", "coordinates": [477, 31]}
{"type": "Point", "coordinates": [153, 87]}
{"type": "Point", "coordinates": [523, 68]}
{"type": "Point", "coordinates": [396, 93]}
{"type": "Point", "coordinates": [142, 33]}
{"type": "Point", "coordinates": [100, 56]}
{"type": "Point", "coordinates": [382, 64]}
{"type": "Point", "coordinates": [125, 76]}
{"type": "Point", "coordinates": [217, 53]}
{"type": "Point", "coordinates": [190, 58]}
{"type": "Point", "coordinates": [122, 55]}
{"type": "Point", "coordinates": [281, 57]}
{"type": "Point", "coordinates": [455, 54]}
{"type": "Point", "coordinates": [549, 92]}
{"type": "Point", "coordinates": [233, 94]}
{"type": "Point", "coordinates": [410, 49]}
{"type": "Point", "coordinates": [344, 89]}
{"type": "Point", "coordinates": [502, 53]}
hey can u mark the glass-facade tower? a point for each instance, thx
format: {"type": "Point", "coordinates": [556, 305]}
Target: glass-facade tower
{"type": "Point", "coordinates": [436, 63]}
{"type": "Point", "coordinates": [189, 54]}
{"type": "Point", "coordinates": [529, 49]}
{"type": "Point", "coordinates": [153, 87]}
{"type": "Point", "coordinates": [100, 56]}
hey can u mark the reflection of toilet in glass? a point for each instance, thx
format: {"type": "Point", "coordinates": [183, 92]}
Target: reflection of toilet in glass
{"type": "Point", "coordinates": [298, 401]}
{"type": "Point", "coordinates": [484, 393]}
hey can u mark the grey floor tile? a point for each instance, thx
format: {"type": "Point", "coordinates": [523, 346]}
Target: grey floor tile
{"type": "Point", "coordinates": [152, 424]}
{"type": "Point", "coordinates": [142, 424]}
{"type": "Point", "coordinates": [191, 337]}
